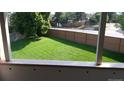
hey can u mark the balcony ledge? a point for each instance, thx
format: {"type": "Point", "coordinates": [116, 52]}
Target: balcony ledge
{"type": "Point", "coordinates": [63, 63]}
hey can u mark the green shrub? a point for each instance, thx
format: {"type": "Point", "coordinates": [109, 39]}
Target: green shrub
{"type": "Point", "coordinates": [31, 24]}
{"type": "Point", "coordinates": [121, 21]}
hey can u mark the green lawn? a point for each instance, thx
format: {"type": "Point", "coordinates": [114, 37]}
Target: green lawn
{"type": "Point", "coordinates": [59, 49]}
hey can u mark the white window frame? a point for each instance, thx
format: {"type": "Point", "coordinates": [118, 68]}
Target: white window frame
{"type": "Point", "coordinates": [5, 50]}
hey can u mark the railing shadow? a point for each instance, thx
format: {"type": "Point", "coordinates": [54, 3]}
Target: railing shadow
{"type": "Point", "coordinates": [20, 44]}
{"type": "Point", "coordinates": [107, 53]}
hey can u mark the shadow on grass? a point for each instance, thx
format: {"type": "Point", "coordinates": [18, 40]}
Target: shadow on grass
{"type": "Point", "coordinates": [107, 53]}
{"type": "Point", "coordinates": [20, 44]}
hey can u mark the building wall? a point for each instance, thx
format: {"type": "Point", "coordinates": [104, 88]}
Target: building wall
{"type": "Point", "coordinates": [18, 72]}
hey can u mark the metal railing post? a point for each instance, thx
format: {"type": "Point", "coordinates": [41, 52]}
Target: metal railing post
{"type": "Point", "coordinates": [100, 39]}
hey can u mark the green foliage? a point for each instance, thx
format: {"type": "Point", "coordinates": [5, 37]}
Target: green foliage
{"type": "Point", "coordinates": [112, 17]}
{"type": "Point", "coordinates": [80, 16]}
{"type": "Point", "coordinates": [64, 17]}
{"type": "Point", "coordinates": [121, 21]}
{"type": "Point", "coordinates": [75, 16]}
{"type": "Point", "coordinates": [30, 23]}
{"type": "Point", "coordinates": [94, 19]}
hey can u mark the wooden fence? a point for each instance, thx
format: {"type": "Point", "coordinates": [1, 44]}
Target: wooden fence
{"type": "Point", "coordinates": [111, 43]}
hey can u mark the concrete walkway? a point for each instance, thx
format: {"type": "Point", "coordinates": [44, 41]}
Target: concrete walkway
{"type": "Point", "coordinates": [111, 30]}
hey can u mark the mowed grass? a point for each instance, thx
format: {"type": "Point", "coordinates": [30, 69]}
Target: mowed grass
{"type": "Point", "coordinates": [59, 49]}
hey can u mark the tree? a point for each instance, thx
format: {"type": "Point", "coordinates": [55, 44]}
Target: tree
{"type": "Point", "coordinates": [57, 19]}
{"type": "Point", "coordinates": [30, 23]}
{"type": "Point", "coordinates": [121, 21]}
{"type": "Point", "coordinates": [63, 17]}
{"type": "Point", "coordinates": [94, 19]}
{"type": "Point", "coordinates": [80, 16]}
{"type": "Point", "coordinates": [112, 17]}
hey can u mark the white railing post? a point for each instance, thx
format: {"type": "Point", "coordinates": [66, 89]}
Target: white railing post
{"type": "Point", "coordinates": [4, 38]}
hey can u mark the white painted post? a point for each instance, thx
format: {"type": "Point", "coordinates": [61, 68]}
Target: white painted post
{"type": "Point", "coordinates": [4, 38]}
